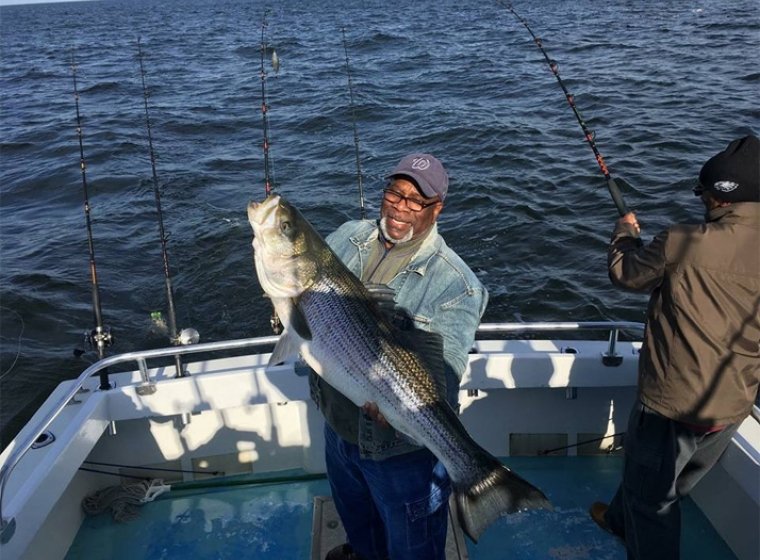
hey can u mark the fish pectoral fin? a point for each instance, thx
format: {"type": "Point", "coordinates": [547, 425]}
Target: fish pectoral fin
{"type": "Point", "coordinates": [299, 323]}
{"type": "Point", "coordinates": [286, 350]}
{"type": "Point", "coordinates": [428, 345]}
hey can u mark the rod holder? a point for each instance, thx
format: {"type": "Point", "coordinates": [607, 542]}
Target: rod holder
{"type": "Point", "coordinates": [611, 358]}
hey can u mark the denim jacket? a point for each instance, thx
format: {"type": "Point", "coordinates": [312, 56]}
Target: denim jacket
{"type": "Point", "coordinates": [440, 294]}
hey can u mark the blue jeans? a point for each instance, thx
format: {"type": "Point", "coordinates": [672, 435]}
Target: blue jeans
{"type": "Point", "coordinates": [395, 508]}
{"type": "Point", "coordinates": [664, 460]}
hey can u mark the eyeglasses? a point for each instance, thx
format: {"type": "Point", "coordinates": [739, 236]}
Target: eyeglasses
{"type": "Point", "coordinates": [413, 204]}
{"type": "Point", "coordinates": [698, 189]}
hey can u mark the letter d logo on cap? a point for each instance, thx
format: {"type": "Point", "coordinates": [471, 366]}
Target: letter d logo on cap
{"type": "Point", "coordinates": [420, 163]}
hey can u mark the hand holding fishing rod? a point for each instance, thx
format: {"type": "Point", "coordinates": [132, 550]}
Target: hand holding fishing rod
{"type": "Point", "coordinates": [100, 337]}
{"type": "Point", "coordinates": [187, 336]}
{"type": "Point", "coordinates": [612, 186]}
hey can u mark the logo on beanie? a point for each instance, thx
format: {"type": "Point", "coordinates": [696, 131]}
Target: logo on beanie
{"type": "Point", "coordinates": [421, 164]}
{"type": "Point", "coordinates": [725, 186]}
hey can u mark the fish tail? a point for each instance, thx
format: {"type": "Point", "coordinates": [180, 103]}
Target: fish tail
{"type": "Point", "coordinates": [498, 491]}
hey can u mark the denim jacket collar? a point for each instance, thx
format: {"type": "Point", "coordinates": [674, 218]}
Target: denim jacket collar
{"type": "Point", "coordinates": [420, 262]}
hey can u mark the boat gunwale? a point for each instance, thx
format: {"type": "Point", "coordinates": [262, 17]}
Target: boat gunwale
{"type": "Point", "coordinates": [7, 525]}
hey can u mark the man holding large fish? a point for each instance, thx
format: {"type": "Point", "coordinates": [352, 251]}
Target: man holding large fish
{"type": "Point", "coordinates": [386, 365]}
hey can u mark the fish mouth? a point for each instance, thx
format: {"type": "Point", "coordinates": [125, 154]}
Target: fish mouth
{"type": "Point", "coordinates": [259, 213]}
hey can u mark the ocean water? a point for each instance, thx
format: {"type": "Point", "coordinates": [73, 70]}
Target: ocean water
{"type": "Point", "coordinates": [664, 85]}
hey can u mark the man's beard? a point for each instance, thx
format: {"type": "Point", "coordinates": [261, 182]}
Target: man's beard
{"type": "Point", "coordinates": [389, 239]}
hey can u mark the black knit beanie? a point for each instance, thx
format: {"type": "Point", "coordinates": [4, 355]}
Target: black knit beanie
{"type": "Point", "coordinates": [733, 175]}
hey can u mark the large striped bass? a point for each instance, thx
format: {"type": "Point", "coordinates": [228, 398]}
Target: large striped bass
{"type": "Point", "coordinates": [331, 320]}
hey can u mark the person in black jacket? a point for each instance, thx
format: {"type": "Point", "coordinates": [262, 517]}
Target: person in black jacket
{"type": "Point", "coordinates": [699, 368]}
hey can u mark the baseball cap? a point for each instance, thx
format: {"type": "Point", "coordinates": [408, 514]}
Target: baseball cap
{"type": "Point", "coordinates": [426, 171]}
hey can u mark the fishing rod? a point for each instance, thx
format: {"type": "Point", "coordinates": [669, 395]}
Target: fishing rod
{"type": "Point", "coordinates": [612, 186]}
{"type": "Point", "coordinates": [100, 337]}
{"type": "Point", "coordinates": [356, 133]}
{"type": "Point", "coordinates": [220, 481]}
{"type": "Point", "coordinates": [187, 336]}
{"type": "Point", "coordinates": [268, 169]}
{"type": "Point", "coordinates": [274, 320]}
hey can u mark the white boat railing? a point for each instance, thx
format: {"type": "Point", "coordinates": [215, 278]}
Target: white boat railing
{"type": "Point", "coordinates": [7, 526]}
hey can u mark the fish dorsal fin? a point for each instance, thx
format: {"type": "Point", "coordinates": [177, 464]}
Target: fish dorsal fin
{"type": "Point", "coordinates": [428, 347]}
{"type": "Point", "coordinates": [382, 301]}
{"type": "Point", "coordinates": [382, 295]}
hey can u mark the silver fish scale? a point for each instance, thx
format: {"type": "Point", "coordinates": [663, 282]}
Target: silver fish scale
{"type": "Point", "coordinates": [381, 370]}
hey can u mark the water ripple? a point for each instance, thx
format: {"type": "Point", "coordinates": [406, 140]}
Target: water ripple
{"type": "Point", "coordinates": [664, 86]}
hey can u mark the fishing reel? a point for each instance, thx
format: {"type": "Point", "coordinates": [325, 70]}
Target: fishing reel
{"type": "Point", "coordinates": [99, 337]}
{"type": "Point", "coordinates": [187, 336]}
{"type": "Point", "coordinates": [183, 338]}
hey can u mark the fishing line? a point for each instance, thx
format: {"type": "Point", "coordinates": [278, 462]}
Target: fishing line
{"type": "Point", "coordinates": [115, 465]}
{"type": "Point", "coordinates": [98, 471]}
{"type": "Point", "coordinates": [578, 444]}
{"type": "Point", "coordinates": [268, 167]}
{"type": "Point", "coordinates": [18, 343]}
{"type": "Point", "coordinates": [356, 133]}
{"type": "Point", "coordinates": [100, 337]}
{"type": "Point", "coordinates": [173, 337]}
{"type": "Point", "coordinates": [612, 186]}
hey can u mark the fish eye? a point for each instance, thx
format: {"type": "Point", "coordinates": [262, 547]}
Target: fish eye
{"type": "Point", "coordinates": [285, 227]}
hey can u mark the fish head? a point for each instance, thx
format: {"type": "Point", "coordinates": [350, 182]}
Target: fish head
{"type": "Point", "coordinates": [285, 247]}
